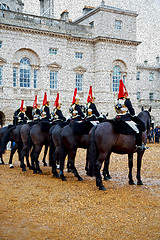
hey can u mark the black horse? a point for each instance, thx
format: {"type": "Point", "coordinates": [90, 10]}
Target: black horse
{"type": "Point", "coordinates": [72, 137]}
{"type": "Point", "coordinates": [27, 145]}
{"type": "Point", "coordinates": [38, 137]}
{"type": "Point", "coordinates": [12, 133]}
{"type": "Point", "coordinates": [104, 140]}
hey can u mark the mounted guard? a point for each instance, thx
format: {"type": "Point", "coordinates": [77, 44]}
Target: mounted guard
{"type": "Point", "coordinates": [91, 110]}
{"type": "Point", "coordinates": [57, 113]}
{"type": "Point", "coordinates": [75, 109]}
{"type": "Point", "coordinates": [126, 112]}
{"type": "Point", "coordinates": [46, 116]}
{"type": "Point", "coordinates": [36, 112]}
{"type": "Point", "coordinates": [22, 117]}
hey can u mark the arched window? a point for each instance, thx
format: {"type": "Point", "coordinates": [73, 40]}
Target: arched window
{"type": "Point", "coordinates": [25, 72]}
{"type": "Point", "coordinates": [116, 78]}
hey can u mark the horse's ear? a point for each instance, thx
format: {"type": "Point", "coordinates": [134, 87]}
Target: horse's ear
{"type": "Point", "coordinates": [142, 108]}
{"type": "Point", "coordinates": [149, 109]}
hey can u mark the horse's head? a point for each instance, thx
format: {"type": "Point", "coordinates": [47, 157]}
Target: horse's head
{"type": "Point", "coordinates": [146, 118]}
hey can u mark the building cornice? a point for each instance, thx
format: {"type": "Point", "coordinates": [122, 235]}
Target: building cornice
{"type": "Point", "coordinates": [151, 68]}
{"type": "Point", "coordinates": [69, 36]}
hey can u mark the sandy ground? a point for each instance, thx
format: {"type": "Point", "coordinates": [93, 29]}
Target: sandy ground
{"type": "Point", "coordinates": [34, 206]}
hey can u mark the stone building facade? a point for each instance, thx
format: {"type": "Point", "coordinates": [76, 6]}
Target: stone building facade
{"type": "Point", "coordinates": [41, 54]}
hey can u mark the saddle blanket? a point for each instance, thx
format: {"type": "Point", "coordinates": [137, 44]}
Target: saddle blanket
{"type": "Point", "coordinates": [133, 126]}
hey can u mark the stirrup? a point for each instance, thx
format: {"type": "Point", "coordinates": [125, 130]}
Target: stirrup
{"type": "Point", "coordinates": [142, 147]}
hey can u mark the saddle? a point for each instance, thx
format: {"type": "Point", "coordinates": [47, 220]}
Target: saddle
{"type": "Point", "coordinates": [122, 127]}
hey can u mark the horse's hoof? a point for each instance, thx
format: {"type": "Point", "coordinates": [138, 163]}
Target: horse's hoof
{"type": "Point", "coordinates": [69, 170]}
{"type": "Point", "coordinates": [102, 188]}
{"type": "Point", "coordinates": [34, 172]}
{"type": "Point", "coordinates": [11, 166]}
{"type": "Point", "coordinates": [106, 178]}
{"type": "Point", "coordinates": [40, 171]}
{"type": "Point", "coordinates": [131, 182]}
{"type": "Point", "coordinates": [44, 164]}
{"type": "Point", "coordinates": [80, 179]}
{"type": "Point", "coordinates": [63, 178]}
{"type": "Point", "coordinates": [24, 170]}
{"type": "Point", "coordinates": [56, 175]}
{"type": "Point", "coordinates": [139, 183]}
{"type": "Point", "coordinates": [109, 177]}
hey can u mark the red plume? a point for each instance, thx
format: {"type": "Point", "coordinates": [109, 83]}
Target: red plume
{"type": "Point", "coordinates": [21, 108]}
{"type": "Point", "coordinates": [122, 90]}
{"type": "Point", "coordinates": [74, 97]}
{"type": "Point", "coordinates": [35, 102]}
{"type": "Point", "coordinates": [45, 99]}
{"type": "Point", "coordinates": [90, 97]}
{"type": "Point", "coordinates": [56, 103]}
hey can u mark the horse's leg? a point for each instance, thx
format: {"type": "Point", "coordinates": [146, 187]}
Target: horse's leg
{"type": "Point", "coordinates": [44, 156]}
{"type": "Point", "coordinates": [130, 165]}
{"type": "Point", "coordinates": [36, 153]}
{"type": "Point", "coordinates": [13, 150]}
{"type": "Point", "coordinates": [72, 156]}
{"type": "Point", "coordinates": [98, 166]}
{"type": "Point", "coordinates": [62, 156]}
{"type": "Point", "coordinates": [139, 163]}
{"type": "Point", "coordinates": [106, 174]}
{"type": "Point", "coordinates": [54, 163]}
{"type": "Point", "coordinates": [32, 160]}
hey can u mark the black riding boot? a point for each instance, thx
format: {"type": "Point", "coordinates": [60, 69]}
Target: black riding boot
{"type": "Point", "coordinates": [140, 145]}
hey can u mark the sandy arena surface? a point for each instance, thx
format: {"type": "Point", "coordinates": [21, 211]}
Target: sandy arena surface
{"type": "Point", "coordinates": [34, 206]}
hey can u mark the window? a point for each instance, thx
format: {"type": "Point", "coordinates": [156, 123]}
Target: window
{"type": "Point", "coordinates": [35, 78]}
{"type": "Point", "coordinates": [151, 97]}
{"type": "Point", "coordinates": [78, 55]}
{"type": "Point", "coordinates": [151, 76]}
{"type": "Point", "coordinates": [25, 72]}
{"type": "Point", "coordinates": [53, 51]}
{"type": "Point", "coordinates": [116, 78]}
{"type": "Point", "coordinates": [118, 24]}
{"type": "Point", "coordinates": [0, 76]}
{"type": "Point", "coordinates": [138, 76]}
{"type": "Point", "coordinates": [138, 95]}
{"type": "Point", "coordinates": [53, 80]}
{"type": "Point", "coordinates": [79, 78]}
{"type": "Point", "coordinates": [0, 44]}
{"type": "Point", "coordinates": [14, 77]}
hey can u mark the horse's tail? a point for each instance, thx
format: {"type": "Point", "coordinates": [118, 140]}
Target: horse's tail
{"type": "Point", "coordinates": [92, 153]}
{"type": "Point", "coordinates": [5, 139]}
{"type": "Point", "coordinates": [51, 149]}
{"type": "Point", "coordinates": [30, 143]}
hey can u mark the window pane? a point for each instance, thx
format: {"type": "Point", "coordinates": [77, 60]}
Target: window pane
{"type": "Point", "coordinates": [151, 76]}
{"type": "Point", "coordinates": [25, 72]}
{"type": "Point", "coordinates": [79, 78]}
{"type": "Point", "coordinates": [53, 80]}
{"type": "Point", "coordinates": [0, 44]}
{"type": "Point", "coordinates": [138, 76]}
{"type": "Point", "coordinates": [53, 51]}
{"type": "Point", "coordinates": [78, 55]}
{"type": "Point", "coordinates": [35, 78]}
{"type": "Point", "coordinates": [138, 95]}
{"type": "Point", "coordinates": [118, 24]}
{"type": "Point", "coordinates": [151, 96]}
{"type": "Point", "coordinates": [14, 77]}
{"type": "Point", "coordinates": [116, 78]}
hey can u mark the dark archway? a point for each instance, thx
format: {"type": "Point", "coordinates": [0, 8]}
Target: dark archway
{"type": "Point", "coordinates": [2, 119]}
{"type": "Point", "coordinates": [29, 112]}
